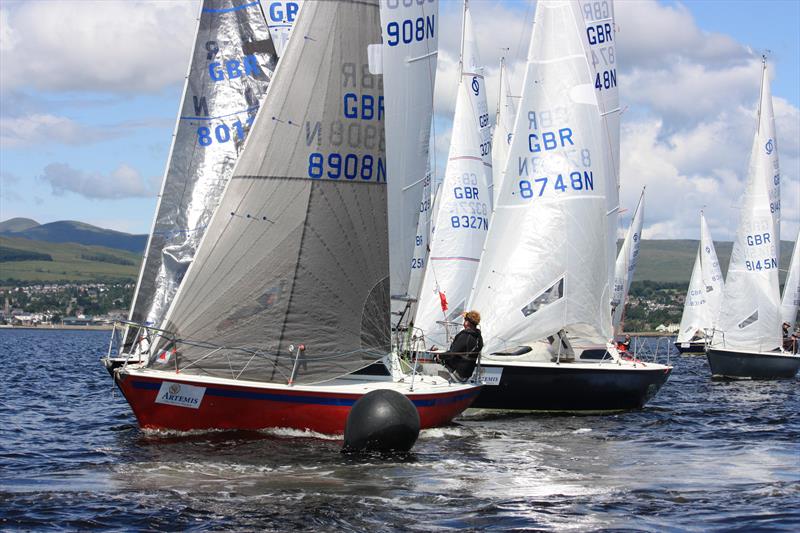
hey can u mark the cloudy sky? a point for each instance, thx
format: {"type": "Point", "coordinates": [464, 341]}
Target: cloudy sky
{"type": "Point", "coordinates": [89, 92]}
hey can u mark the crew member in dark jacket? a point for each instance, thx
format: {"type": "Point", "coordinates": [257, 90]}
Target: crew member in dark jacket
{"type": "Point", "coordinates": [462, 356]}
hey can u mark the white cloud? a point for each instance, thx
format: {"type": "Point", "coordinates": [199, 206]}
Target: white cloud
{"type": "Point", "coordinates": [95, 46]}
{"type": "Point", "coordinates": [671, 35]}
{"type": "Point", "coordinates": [123, 182]}
{"type": "Point", "coordinates": [42, 128]}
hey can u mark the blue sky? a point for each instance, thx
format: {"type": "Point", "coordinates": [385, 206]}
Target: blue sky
{"type": "Point", "coordinates": [89, 93]}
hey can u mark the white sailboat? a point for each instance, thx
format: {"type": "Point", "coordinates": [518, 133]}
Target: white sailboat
{"type": "Point", "coordinates": [230, 69]}
{"type": "Point", "coordinates": [409, 73]}
{"type": "Point", "coordinates": [747, 340]}
{"type": "Point", "coordinates": [462, 216]}
{"type": "Point", "coordinates": [625, 266]}
{"type": "Point", "coordinates": [287, 299]}
{"type": "Point", "coordinates": [703, 297]}
{"type": "Point", "coordinates": [544, 281]}
{"type": "Point", "coordinates": [503, 128]}
{"type": "Point", "coordinates": [791, 290]}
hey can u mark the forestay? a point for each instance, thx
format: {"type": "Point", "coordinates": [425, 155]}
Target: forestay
{"type": "Point", "coordinates": [704, 295]}
{"type": "Point", "coordinates": [546, 262]}
{"type": "Point", "coordinates": [462, 221]}
{"type": "Point", "coordinates": [749, 316]}
{"type": "Point", "coordinates": [791, 290]}
{"type": "Point", "coordinates": [410, 45]}
{"type": "Point", "coordinates": [625, 267]}
{"type": "Point", "coordinates": [297, 252]}
{"type": "Point", "coordinates": [504, 125]}
{"type": "Point", "coordinates": [231, 66]}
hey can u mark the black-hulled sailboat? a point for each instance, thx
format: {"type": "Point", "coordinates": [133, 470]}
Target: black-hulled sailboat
{"type": "Point", "coordinates": [747, 341]}
{"type": "Point", "coordinates": [545, 279]}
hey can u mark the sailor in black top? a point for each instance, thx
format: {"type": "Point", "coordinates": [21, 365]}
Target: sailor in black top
{"type": "Point", "coordinates": [462, 356]}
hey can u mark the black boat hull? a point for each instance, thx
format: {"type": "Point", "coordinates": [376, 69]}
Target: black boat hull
{"type": "Point", "coordinates": [753, 365]}
{"type": "Point", "coordinates": [570, 388]}
{"type": "Point", "coordinates": [697, 347]}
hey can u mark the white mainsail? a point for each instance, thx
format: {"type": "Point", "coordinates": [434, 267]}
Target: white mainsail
{"type": "Point", "coordinates": [421, 241]}
{"type": "Point", "coordinates": [503, 128]}
{"type": "Point", "coordinates": [627, 259]}
{"type": "Point", "coordinates": [704, 294]}
{"type": "Point", "coordinates": [548, 260]}
{"type": "Point", "coordinates": [297, 252]}
{"type": "Point", "coordinates": [749, 316]}
{"type": "Point", "coordinates": [463, 202]}
{"type": "Point", "coordinates": [473, 78]}
{"type": "Point", "coordinates": [409, 71]}
{"type": "Point", "coordinates": [462, 221]}
{"type": "Point", "coordinates": [281, 15]}
{"type": "Point", "coordinates": [231, 66]}
{"type": "Point", "coordinates": [791, 291]}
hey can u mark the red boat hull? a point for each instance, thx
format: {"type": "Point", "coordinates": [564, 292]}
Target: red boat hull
{"type": "Point", "coordinates": [254, 408]}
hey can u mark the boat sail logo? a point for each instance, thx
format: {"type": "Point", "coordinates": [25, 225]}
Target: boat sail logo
{"type": "Point", "coordinates": [181, 395]}
{"type": "Point", "coordinates": [770, 146]}
{"type": "Point", "coordinates": [476, 87]}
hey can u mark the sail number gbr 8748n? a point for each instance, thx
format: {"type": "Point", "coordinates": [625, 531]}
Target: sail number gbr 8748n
{"type": "Point", "coordinates": [546, 138]}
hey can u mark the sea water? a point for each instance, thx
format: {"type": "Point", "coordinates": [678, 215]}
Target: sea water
{"type": "Point", "coordinates": [703, 455]}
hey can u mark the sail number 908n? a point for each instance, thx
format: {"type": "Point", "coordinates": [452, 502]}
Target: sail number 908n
{"type": "Point", "coordinates": [347, 166]}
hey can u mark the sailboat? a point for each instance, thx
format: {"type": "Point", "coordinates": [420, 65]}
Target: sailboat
{"type": "Point", "coordinates": [504, 125]}
{"type": "Point", "coordinates": [462, 216]}
{"type": "Point", "coordinates": [747, 340]}
{"type": "Point", "coordinates": [544, 281]}
{"type": "Point", "coordinates": [625, 266]}
{"type": "Point", "coordinates": [703, 296]}
{"type": "Point", "coordinates": [231, 66]}
{"type": "Point", "coordinates": [287, 298]}
{"type": "Point", "coordinates": [791, 290]}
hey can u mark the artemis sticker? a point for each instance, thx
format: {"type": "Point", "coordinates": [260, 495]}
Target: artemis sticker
{"type": "Point", "coordinates": [180, 394]}
{"type": "Point", "coordinates": [491, 376]}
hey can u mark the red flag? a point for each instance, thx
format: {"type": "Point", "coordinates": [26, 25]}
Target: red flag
{"type": "Point", "coordinates": [443, 301]}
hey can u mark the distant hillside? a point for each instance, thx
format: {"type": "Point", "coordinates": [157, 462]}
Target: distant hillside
{"type": "Point", "coordinates": [17, 224]}
{"type": "Point", "coordinates": [74, 232]}
{"type": "Point", "coordinates": [672, 260]}
{"type": "Point", "coordinates": [64, 262]}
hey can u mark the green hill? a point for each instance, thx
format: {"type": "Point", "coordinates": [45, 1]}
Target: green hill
{"type": "Point", "coordinates": [17, 224]}
{"type": "Point", "coordinates": [73, 232]}
{"type": "Point", "coordinates": [68, 262]}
